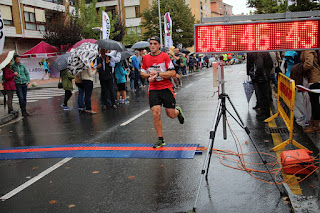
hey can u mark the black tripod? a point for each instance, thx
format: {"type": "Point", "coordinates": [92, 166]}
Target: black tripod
{"type": "Point", "coordinates": [222, 113]}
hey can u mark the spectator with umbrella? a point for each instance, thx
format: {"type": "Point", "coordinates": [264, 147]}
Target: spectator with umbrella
{"type": "Point", "coordinates": [66, 78]}
{"type": "Point", "coordinates": [120, 74]}
{"type": "Point", "coordinates": [105, 64]}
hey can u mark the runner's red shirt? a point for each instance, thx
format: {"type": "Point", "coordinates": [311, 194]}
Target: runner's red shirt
{"type": "Point", "coordinates": [160, 63]}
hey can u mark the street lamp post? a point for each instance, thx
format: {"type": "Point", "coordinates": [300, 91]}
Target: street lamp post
{"type": "Point", "coordinates": [97, 30]}
{"type": "Point", "coordinates": [160, 23]}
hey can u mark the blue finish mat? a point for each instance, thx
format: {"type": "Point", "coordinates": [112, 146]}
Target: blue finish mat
{"type": "Point", "coordinates": [173, 151]}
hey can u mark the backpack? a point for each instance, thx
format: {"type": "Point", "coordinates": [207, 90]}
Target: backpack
{"type": "Point", "coordinates": [297, 73]}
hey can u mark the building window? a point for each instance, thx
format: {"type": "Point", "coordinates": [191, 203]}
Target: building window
{"type": "Point", "coordinates": [34, 18]}
{"type": "Point", "coordinates": [137, 11]}
{"type": "Point", "coordinates": [6, 15]}
{"type": "Point", "coordinates": [133, 12]}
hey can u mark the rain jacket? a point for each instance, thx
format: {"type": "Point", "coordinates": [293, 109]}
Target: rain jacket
{"type": "Point", "coordinates": [259, 66]}
{"type": "Point", "coordinates": [66, 78]}
{"type": "Point", "coordinates": [310, 62]}
{"type": "Point", "coordinates": [23, 72]}
{"type": "Point", "coordinates": [106, 70]}
{"type": "Point", "coordinates": [120, 73]}
{"type": "Point", "coordinates": [8, 76]}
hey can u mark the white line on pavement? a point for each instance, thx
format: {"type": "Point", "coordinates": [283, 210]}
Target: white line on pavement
{"type": "Point", "coordinates": [133, 118]}
{"type": "Point", "coordinates": [189, 85]}
{"type": "Point", "coordinates": [33, 180]}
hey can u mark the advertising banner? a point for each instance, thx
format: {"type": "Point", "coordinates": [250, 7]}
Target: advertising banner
{"type": "Point", "coordinates": [2, 35]}
{"type": "Point", "coordinates": [36, 68]}
{"type": "Point", "coordinates": [168, 30]}
{"type": "Point", "coordinates": [105, 25]}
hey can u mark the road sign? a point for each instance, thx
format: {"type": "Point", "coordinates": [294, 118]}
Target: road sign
{"type": "Point", "coordinates": [257, 36]}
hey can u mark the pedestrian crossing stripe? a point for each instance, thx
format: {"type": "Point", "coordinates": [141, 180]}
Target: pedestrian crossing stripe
{"type": "Point", "coordinates": [37, 95]}
{"type": "Point", "coordinates": [173, 151]}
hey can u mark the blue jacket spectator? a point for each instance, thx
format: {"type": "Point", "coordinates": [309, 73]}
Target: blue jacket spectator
{"type": "Point", "coordinates": [120, 73]}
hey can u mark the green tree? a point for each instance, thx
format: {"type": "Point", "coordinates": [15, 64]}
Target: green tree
{"type": "Point", "coordinates": [280, 6]}
{"type": "Point", "coordinates": [304, 5]}
{"type": "Point", "coordinates": [89, 18]}
{"type": "Point", "coordinates": [181, 16]}
{"type": "Point", "coordinates": [62, 33]}
{"type": "Point", "coordinates": [130, 38]}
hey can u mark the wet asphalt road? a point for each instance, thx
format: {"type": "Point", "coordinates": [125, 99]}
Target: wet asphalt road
{"type": "Point", "coordinates": [137, 185]}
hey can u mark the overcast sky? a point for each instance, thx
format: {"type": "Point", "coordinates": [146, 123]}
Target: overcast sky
{"type": "Point", "coordinates": [239, 6]}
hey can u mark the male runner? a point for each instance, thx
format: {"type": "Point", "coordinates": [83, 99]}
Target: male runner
{"type": "Point", "coordinates": [158, 68]}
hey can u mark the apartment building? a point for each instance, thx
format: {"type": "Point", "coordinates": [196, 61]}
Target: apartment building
{"type": "Point", "coordinates": [199, 8]}
{"type": "Point", "coordinates": [25, 19]}
{"type": "Point", "coordinates": [129, 11]}
{"type": "Point", "coordinates": [219, 8]}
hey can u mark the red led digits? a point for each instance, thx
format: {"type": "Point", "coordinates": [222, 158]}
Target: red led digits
{"type": "Point", "coordinates": [258, 36]}
{"type": "Point", "coordinates": [248, 37]}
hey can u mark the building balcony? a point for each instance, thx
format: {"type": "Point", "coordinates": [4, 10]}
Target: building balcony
{"type": "Point", "coordinates": [133, 22]}
{"type": "Point", "coordinates": [45, 4]}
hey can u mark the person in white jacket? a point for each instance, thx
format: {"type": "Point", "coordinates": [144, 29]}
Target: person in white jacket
{"type": "Point", "coordinates": [87, 83]}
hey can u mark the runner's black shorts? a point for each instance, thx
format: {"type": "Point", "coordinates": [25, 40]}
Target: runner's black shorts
{"type": "Point", "coordinates": [165, 98]}
{"type": "Point", "coordinates": [121, 87]}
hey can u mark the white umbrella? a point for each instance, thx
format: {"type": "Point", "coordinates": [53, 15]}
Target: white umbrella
{"type": "Point", "coordinates": [82, 57]}
{"type": "Point", "coordinates": [5, 59]}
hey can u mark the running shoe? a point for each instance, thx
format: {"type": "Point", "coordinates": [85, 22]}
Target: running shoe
{"type": "Point", "coordinates": [159, 143]}
{"type": "Point", "coordinates": [62, 105]}
{"type": "Point", "coordinates": [67, 108]}
{"type": "Point", "coordinates": [180, 116]}
{"type": "Point", "coordinates": [126, 101]}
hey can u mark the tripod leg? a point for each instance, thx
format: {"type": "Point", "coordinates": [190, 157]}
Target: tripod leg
{"type": "Point", "coordinates": [234, 108]}
{"type": "Point", "coordinates": [212, 137]}
{"type": "Point", "coordinates": [256, 148]}
{"type": "Point", "coordinates": [215, 122]}
{"type": "Point", "coordinates": [224, 114]}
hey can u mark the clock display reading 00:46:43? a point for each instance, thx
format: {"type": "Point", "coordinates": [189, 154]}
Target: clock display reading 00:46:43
{"type": "Point", "coordinates": [257, 36]}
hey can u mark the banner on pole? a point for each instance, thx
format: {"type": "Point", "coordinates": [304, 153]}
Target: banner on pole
{"type": "Point", "coordinates": [2, 35]}
{"type": "Point", "coordinates": [168, 30]}
{"type": "Point", "coordinates": [105, 25]}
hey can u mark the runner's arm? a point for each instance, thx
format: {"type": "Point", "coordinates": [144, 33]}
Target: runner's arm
{"type": "Point", "coordinates": [168, 74]}
{"type": "Point", "coordinates": [144, 75]}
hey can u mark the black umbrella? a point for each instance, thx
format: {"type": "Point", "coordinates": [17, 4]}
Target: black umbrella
{"type": "Point", "coordinates": [140, 45]}
{"type": "Point", "coordinates": [185, 51]}
{"type": "Point", "coordinates": [61, 62]}
{"type": "Point", "coordinates": [126, 54]}
{"type": "Point", "coordinates": [109, 44]}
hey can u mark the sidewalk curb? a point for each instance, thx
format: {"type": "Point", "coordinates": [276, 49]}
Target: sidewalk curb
{"type": "Point", "coordinates": [9, 117]}
{"type": "Point", "coordinates": [302, 203]}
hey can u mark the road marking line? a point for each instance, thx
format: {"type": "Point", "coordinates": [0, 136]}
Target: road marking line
{"type": "Point", "coordinates": [29, 101]}
{"type": "Point", "coordinates": [189, 85]}
{"type": "Point", "coordinates": [133, 118]}
{"type": "Point", "coordinates": [33, 180]}
{"type": "Point", "coordinates": [295, 188]}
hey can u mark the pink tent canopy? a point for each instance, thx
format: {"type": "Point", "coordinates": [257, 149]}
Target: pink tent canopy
{"type": "Point", "coordinates": [41, 50]}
